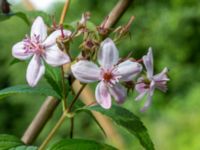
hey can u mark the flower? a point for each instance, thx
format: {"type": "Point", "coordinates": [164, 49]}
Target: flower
{"type": "Point", "coordinates": [40, 48]}
{"type": "Point", "coordinates": [109, 74]}
{"type": "Point", "coordinates": [147, 85]}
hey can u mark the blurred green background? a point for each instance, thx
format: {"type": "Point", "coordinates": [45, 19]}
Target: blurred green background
{"type": "Point", "coordinates": [171, 28]}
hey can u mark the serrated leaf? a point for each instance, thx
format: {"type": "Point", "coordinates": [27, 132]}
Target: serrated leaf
{"type": "Point", "coordinates": [8, 141]}
{"type": "Point", "coordinates": [43, 90]}
{"type": "Point", "coordinates": [80, 144]}
{"type": "Point", "coordinates": [128, 120]}
{"type": "Point", "coordinates": [24, 147]}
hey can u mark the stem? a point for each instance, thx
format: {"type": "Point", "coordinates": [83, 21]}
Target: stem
{"type": "Point", "coordinates": [37, 124]}
{"type": "Point", "coordinates": [117, 12]}
{"type": "Point", "coordinates": [61, 120]}
{"type": "Point", "coordinates": [53, 131]}
{"type": "Point", "coordinates": [64, 11]}
{"type": "Point", "coordinates": [62, 18]}
{"type": "Point", "coordinates": [76, 97]}
{"type": "Point", "coordinates": [64, 104]}
{"type": "Point", "coordinates": [71, 127]}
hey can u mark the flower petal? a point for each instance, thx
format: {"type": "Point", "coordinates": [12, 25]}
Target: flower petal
{"type": "Point", "coordinates": [128, 70]}
{"type": "Point", "coordinates": [86, 71]}
{"type": "Point", "coordinates": [35, 70]}
{"type": "Point", "coordinates": [148, 62]}
{"type": "Point", "coordinates": [108, 54]}
{"type": "Point", "coordinates": [140, 85]}
{"type": "Point", "coordinates": [141, 95]}
{"type": "Point", "coordinates": [39, 29]}
{"type": "Point", "coordinates": [149, 96]}
{"type": "Point", "coordinates": [161, 76]}
{"type": "Point", "coordinates": [51, 39]}
{"type": "Point", "coordinates": [152, 87]}
{"type": "Point", "coordinates": [19, 52]}
{"type": "Point", "coordinates": [118, 92]}
{"type": "Point", "coordinates": [147, 103]}
{"type": "Point", "coordinates": [141, 88]}
{"type": "Point", "coordinates": [103, 97]}
{"type": "Point", "coordinates": [55, 57]}
{"type": "Point", "coordinates": [161, 80]}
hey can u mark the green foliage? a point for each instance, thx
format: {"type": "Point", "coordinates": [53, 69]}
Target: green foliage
{"type": "Point", "coordinates": [13, 143]}
{"type": "Point", "coordinates": [80, 144]}
{"type": "Point", "coordinates": [53, 77]}
{"type": "Point", "coordinates": [15, 61]}
{"type": "Point", "coordinates": [23, 147]}
{"type": "Point", "coordinates": [96, 121]}
{"type": "Point", "coordinates": [128, 120]}
{"type": "Point", "coordinates": [23, 17]}
{"type": "Point", "coordinates": [43, 90]}
{"type": "Point", "coordinates": [9, 141]}
{"type": "Point", "coordinates": [17, 14]}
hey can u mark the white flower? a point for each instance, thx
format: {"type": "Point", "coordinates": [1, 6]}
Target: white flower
{"type": "Point", "coordinates": [146, 86]}
{"type": "Point", "coordinates": [109, 74]}
{"type": "Point", "coordinates": [40, 48]}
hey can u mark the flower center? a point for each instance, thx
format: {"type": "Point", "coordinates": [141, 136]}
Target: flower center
{"type": "Point", "coordinates": [109, 76]}
{"type": "Point", "coordinates": [33, 45]}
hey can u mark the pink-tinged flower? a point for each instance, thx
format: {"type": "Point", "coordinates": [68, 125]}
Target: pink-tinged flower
{"type": "Point", "coordinates": [109, 74]}
{"type": "Point", "coordinates": [40, 48]}
{"type": "Point", "coordinates": [147, 85]}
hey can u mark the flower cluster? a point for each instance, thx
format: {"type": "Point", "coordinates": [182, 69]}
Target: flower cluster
{"type": "Point", "coordinates": [110, 73]}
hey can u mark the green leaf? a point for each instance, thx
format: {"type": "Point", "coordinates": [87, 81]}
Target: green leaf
{"type": "Point", "coordinates": [68, 26]}
{"type": "Point", "coordinates": [53, 77]}
{"type": "Point", "coordinates": [8, 141]}
{"type": "Point", "coordinates": [32, 15]}
{"type": "Point", "coordinates": [5, 17]}
{"type": "Point", "coordinates": [15, 61]}
{"type": "Point", "coordinates": [96, 121]}
{"type": "Point", "coordinates": [91, 26]}
{"type": "Point", "coordinates": [24, 147]}
{"type": "Point", "coordinates": [80, 144]}
{"type": "Point", "coordinates": [23, 17]}
{"type": "Point", "coordinates": [43, 90]}
{"type": "Point", "coordinates": [128, 120]}
{"type": "Point", "coordinates": [18, 14]}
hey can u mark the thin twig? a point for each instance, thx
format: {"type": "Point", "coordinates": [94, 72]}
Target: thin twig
{"type": "Point", "coordinates": [53, 131]}
{"type": "Point", "coordinates": [61, 120]}
{"type": "Point", "coordinates": [65, 8]}
{"type": "Point", "coordinates": [62, 18]}
{"type": "Point", "coordinates": [76, 97]}
{"type": "Point", "coordinates": [117, 12]}
{"type": "Point", "coordinates": [64, 104]}
{"type": "Point", "coordinates": [71, 127]}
